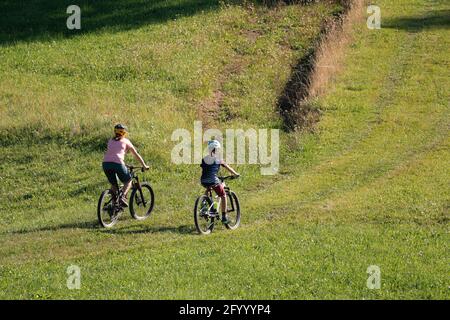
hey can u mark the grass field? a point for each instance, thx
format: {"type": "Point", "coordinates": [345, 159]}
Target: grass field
{"type": "Point", "coordinates": [370, 185]}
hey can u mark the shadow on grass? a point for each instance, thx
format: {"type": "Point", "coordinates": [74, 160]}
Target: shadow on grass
{"type": "Point", "coordinates": [439, 19]}
{"type": "Point", "coordinates": [39, 133]}
{"type": "Point", "coordinates": [94, 225]}
{"type": "Point", "coordinates": [74, 225]}
{"type": "Point", "coordinates": [183, 229]}
{"type": "Point", "coordinates": [46, 19]}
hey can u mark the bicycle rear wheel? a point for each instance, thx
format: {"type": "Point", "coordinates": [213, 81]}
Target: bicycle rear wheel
{"type": "Point", "coordinates": [234, 211]}
{"type": "Point", "coordinates": [106, 210]}
{"type": "Point", "coordinates": [204, 223]}
{"type": "Point", "coordinates": [142, 202]}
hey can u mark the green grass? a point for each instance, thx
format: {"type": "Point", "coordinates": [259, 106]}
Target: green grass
{"type": "Point", "coordinates": [369, 187]}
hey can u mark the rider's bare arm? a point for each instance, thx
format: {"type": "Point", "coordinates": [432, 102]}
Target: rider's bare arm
{"type": "Point", "coordinates": [139, 158]}
{"type": "Point", "coordinates": [230, 169]}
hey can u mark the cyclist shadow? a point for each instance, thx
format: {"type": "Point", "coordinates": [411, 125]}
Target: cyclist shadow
{"type": "Point", "coordinates": [183, 229]}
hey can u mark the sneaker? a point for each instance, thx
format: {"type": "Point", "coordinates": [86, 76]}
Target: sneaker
{"type": "Point", "coordinates": [225, 219]}
{"type": "Point", "coordinates": [123, 202]}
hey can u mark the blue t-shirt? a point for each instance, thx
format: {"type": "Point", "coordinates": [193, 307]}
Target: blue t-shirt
{"type": "Point", "coordinates": [210, 168]}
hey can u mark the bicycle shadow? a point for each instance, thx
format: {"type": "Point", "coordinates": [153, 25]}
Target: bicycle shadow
{"type": "Point", "coordinates": [74, 225]}
{"type": "Point", "coordinates": [183, 229]}
{"type": "Point", "coordinates": [118, 230]}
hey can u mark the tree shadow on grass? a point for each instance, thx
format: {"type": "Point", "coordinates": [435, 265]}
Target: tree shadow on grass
{"type": "Point", "coordinates": [46, 19]}
{"type": "Point", "coordinates": [439, 19]}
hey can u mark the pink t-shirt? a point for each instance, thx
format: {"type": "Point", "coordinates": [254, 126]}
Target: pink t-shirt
{"type": "Point", "coordinates": [117, 150]}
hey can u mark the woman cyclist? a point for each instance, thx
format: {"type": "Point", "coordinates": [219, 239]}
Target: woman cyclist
{"type": "Point", "coordinates": [114, 164]}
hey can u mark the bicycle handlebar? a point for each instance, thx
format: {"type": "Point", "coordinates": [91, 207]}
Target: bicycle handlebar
{"type": "Point", "coordinates": [135, 167]}
{"type": "Point", "coordinates": [228, 178]}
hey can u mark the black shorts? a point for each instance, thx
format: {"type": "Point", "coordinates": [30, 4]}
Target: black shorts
{"type": "Point", "coordinates": [113, 170]}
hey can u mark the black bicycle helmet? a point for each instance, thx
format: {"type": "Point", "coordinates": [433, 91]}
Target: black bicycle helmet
{"type": "Point", "coordinates": [120, 126]}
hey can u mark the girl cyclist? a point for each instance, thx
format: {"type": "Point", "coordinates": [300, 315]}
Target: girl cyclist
{"type": "Point", "coordinates": [210, 168]}
{"type": "Point", "coordinates": [114, 164]}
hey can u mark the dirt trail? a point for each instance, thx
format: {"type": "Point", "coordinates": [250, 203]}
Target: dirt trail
{"type": "Point", "coordinates": [313, 72]}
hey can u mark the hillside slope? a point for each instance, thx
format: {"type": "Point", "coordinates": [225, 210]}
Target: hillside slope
{"type": "Point", "coordinates": [368, 187]}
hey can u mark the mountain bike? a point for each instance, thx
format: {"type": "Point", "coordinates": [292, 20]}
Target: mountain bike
{"type": "Point", "coordinates": [206, 209]}
{"type": "Point", "coordinates": [141, 202]}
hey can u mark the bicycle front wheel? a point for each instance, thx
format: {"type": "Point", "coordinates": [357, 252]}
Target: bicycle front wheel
{"type": "Point", "coordinates": [204, 223]}
{"type": "Point", "coordinates": [142, 201]}
{"type": "Point", "coordinates": [106, 210]}
{"type": "Point", "coordinates": [234, 211]}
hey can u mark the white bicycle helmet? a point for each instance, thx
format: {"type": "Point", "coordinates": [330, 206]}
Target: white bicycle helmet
{"type": "Point", "coordinates": [213, 144]}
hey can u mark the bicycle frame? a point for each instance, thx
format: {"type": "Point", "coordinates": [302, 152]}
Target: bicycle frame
{"type": "Point", "coordinates": [135, 184]}
{"type": "Point", "coordinates": [230, 202]}
{"type": "Point", "coordinates": [209, 193]}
